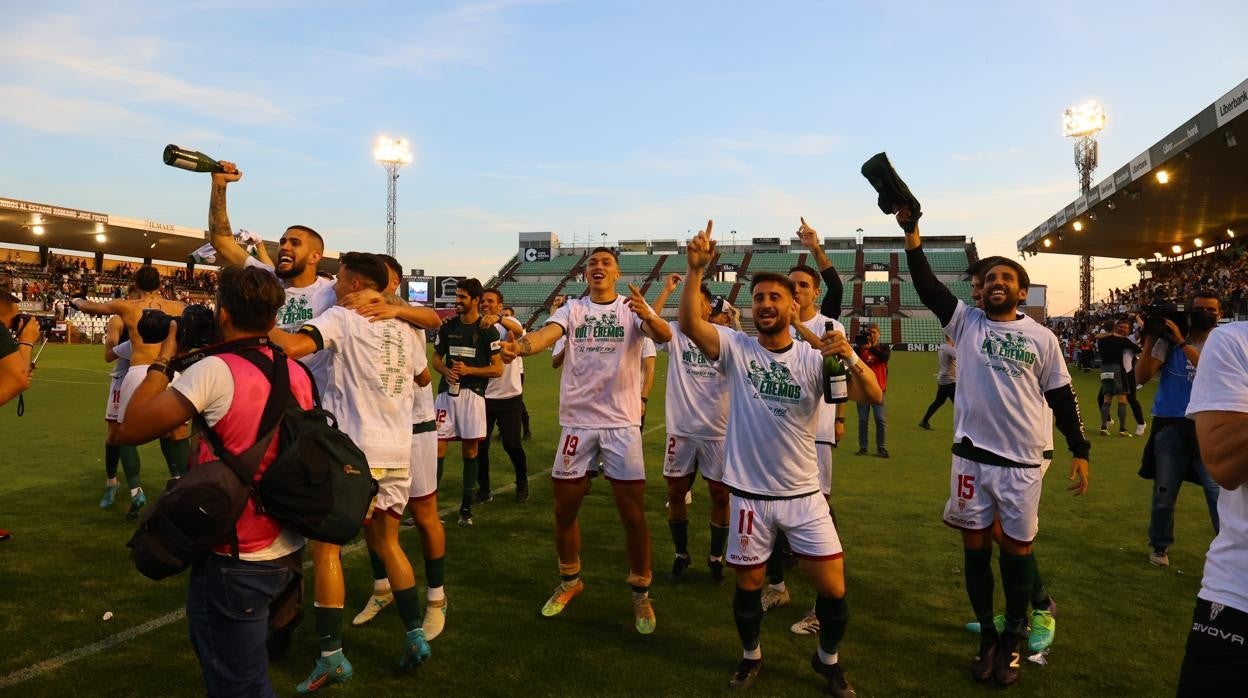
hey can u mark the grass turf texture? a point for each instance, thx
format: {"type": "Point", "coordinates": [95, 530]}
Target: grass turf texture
{"type": "Point", "coordinates": [1122, 622]}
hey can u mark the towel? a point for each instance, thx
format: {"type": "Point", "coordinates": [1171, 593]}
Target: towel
{"type": "Point", "coordinates": [207, 255]}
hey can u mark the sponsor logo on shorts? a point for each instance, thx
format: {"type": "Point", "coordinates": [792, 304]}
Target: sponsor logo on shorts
{"type": "Point", "coordinates": [961, 521]}
{"type": "Point", "coordinates": [743, 558]}
{"type": "Point", "coordinates": [1218, 633]}
{"type": "Point", "coordinates": [565, 473]}
{"type": "Point", "coordinates": [1215, 609]}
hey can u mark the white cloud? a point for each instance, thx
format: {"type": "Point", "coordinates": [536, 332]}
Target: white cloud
{"type": "Point", "coordinates": [42, 111]}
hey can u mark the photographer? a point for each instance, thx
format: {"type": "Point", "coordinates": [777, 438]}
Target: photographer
{"type": "Point", "coordinates": [875, 355]}
{"type": "Point", "coordinates": [229, 600]}
{"type": "Point", "coordinates": [1172, 454]}
{"type": "Point", "coordinates": [15, 353]}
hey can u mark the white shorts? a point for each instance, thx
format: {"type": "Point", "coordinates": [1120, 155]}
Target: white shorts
{"type": "Point", "coordinates": [687, 455]}
{"type": "Point", "coordinates": [460, 418]}
{"type": "Point", "coordinates": [979, 492]}
{"type": "Point", "coordinates": [825, 467]}
{"type": "Point", "coordinates": [112, 408]}
{"type": "Point", "coordinates": [130, 383]}
{"type": "Point", "coordinates": [806, 521]}
{"type": "Point", "coordinates": [619, 448]}
{"type": "Point", "coordinates": [424, 465]}
{"type": "Point", "coordinates": [392, 489]}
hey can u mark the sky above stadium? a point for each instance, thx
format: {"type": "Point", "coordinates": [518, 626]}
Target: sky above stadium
{"type": "Point", "coordinates": [638, 119]}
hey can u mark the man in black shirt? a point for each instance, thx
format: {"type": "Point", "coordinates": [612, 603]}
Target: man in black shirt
{"type": "Point", "coordinates": [1115, 384]}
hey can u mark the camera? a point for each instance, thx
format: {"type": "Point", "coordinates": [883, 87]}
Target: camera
{"type": "Point", "coordinates": [863, 337]}
{"type": "Point", "coordinates": [1155, 316]}
{"type": "Point", "coordinates": [46, 322]}
{"type": "Point", "coordinates": [197, 327]}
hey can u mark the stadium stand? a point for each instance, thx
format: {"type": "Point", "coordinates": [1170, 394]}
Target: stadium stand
{"type": "Point", "coordinates": [942, 261]}
{"type": "Point", "coordinates": [779, 262]}
{"type": "Point", "coordinates": [574, 289]}
{"type": "Point", "coordinates": [922, 330]}
{"type": "Point", "coordinates": [732, 258]}
{"type": "Point", "coordinates": [524, 293]}
{"type": "Point", "coordinates": [559, 266]}
{"type": "Point", "coordinates": [637, 265]}
{"type": "Point", "coordinates": [876, 257]}
{"type": "Point", "coordinates": [675, 264]}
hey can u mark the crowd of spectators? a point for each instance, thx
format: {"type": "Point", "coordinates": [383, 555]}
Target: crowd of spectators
{"type": "Point", "coordinates": [65, 277]}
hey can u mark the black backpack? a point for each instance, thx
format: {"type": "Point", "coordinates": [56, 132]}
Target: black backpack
{"type": "Point", "coordinates": [319, 483]}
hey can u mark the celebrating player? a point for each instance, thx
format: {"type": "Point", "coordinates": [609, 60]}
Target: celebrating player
{"type": "Point", "coordinates": [504, 404]}
{"type": "Point", "coordinates": [1011, 367]}
{"type": "Point", "coordinates": [600, 412]}
{"type": "Point", "coordinates": [770, 465]}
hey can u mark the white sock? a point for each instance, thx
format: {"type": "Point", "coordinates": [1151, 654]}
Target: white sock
{"type": "Point", "coordinates": [381, 587]}
{"type": "Point", "coordinates": [828, 659]}
{"type": "Point", "coordinates": [134, 491]}
{"type": "Point", "coordinates": [685, 556]}
{"type": "Point", "coordinates": [330, 654]}
{"type": "Point", "coordinates": [436, 593]}
{"type": "Point", "coordinates": [778, 587]}
{"type": "Point", "coordinates": [756, 653]}
{"type": "Point", "coordinates": [715, 558]}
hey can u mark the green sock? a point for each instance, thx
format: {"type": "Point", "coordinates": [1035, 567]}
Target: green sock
{"type": "Point", "coordinates": [441, 461]}
{"type": "Point", "coordinates": [177, 455]}
{"type": "Point", "coordinates": [1017, 582]}
{"type": "Point", "coordinates": [977, 564]}
{"type": "Point", "coordinates": [130, 465]}
{"type": "Point", "coordinates": [719, 540]}
{"type": "Point", "coordinates": [680, 536]}
{"type": "Point", "coordinates": [833, 615]}
{"type": "Point", "coordinates": [747, 611]}
{"type": "Point", "coordinates": [112, 456]}
{"type": "Point", "coordinates": [1039, 594]}
{"type": "Point", "coordinates": [378, 565]}
{"type": "Point", "coordinates": [328, 627]}
{"type": "Point", "coordinates": [470, 477]}
{"type": "Point", "coordinates": [435, 572]}
{"type": "Point", "coordinates": [408, 602]}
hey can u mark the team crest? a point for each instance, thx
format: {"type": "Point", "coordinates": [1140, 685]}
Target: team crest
{"type": "Point", "coordinates": [961, 505]}
{"type": "Point", "coordinates": [1214, 610]}
{"type": "Point", "coordinates": [745, 543]}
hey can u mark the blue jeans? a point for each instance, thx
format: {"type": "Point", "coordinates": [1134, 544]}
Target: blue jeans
{"type": "Point", "coordinates": [881, 416]}
{"type": "Point", "coordinates": [227, 609]}
{"type": "Point", "coordinates": [1175, 450]}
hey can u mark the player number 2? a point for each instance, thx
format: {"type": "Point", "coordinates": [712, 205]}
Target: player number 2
{"type": "Point", "coordinates": [569, 445]}
{"type": "Point", "coordinates": [966, 486]}
{"type": "Point", "coordinates": [671, 445]}
{"type": "Point", "coordinates": [745, 523]}
{"type": "Point", "coordinates": [441, 416]}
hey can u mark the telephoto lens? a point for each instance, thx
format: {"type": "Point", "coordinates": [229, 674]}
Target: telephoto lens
{"type": "Point", "coordinates": [154, 326]}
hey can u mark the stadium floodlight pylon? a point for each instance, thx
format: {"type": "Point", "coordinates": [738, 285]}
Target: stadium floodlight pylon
{"type": "Point", "coordinates": [392, 153]}
{"type": "Point", "coordinates": [1082, 123]}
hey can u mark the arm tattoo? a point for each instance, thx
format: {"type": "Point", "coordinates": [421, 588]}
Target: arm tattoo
{"type": "Point", "coordinates": [526, 348]}
{"type": "Point", "coordinates": [218, 217]}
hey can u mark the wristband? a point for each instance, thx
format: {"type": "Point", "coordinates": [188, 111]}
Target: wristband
{"type": "Point", "coordinates": [162, 369]}
{"type": "Point", "coordinates": [26, 344]}
{"type": "Point", "coordinates": [854, 361]}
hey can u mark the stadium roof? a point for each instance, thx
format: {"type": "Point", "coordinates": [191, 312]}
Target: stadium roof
{"type": "Point", "coordinates": [76, 229]}
{"type": "Point", "coordinates": [1133, 214]}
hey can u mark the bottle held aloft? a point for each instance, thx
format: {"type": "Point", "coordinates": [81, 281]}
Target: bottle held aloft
{"type": "Point", "coordinates": [193, 160]}
{"type": "Point", "coordinates": [835, 385]}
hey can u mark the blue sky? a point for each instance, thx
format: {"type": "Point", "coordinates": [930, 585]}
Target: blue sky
{"type": "Point", "coordinates": [638, 119]}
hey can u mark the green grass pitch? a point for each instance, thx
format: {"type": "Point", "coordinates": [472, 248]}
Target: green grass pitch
{"type": "Point", "coordinates": [1121, 623]}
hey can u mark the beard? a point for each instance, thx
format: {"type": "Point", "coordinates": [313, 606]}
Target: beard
{"type": "Point", "coordinates": [296, 268]}
{"type": "Point", "coordinates": [1009, 304]}
{"type": "Point", "coordinates": [775, 329]}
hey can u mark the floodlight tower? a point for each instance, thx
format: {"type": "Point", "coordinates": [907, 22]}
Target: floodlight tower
{"type": "Point", "coordinates": [1082, 123]}
{"type": "Point", "coordinates": [392, 153]}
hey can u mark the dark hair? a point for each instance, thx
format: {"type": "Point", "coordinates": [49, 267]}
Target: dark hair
{"type": "Point", "coordinates": [368, 267]}
{"type": "Point", "coordinates": [608, 250]}
{"type": "Point", "coordinates": [508, 307]}
{"type": "Point", "coordinates": [252, 296]}
{"type": "Point", "coordinates": [764, 276]}
{"type": "Point", "coordinates": [472, 287]}
{"type": "Point", "coordinates": [147, 278]}
{"type": "Point", "coordinates": [977, 268]}
{"type": "Point", "coordinates": [392, 263]}
{"type": "Point", "coordinates": [320, 240]}
{"type": "Point", "coordinates": [1205, 293]}
{"type": "Point", "coordinates": [1024, 281]}
{"type": "Point", "coordinates": [7, 299]}
{"type": "Point", "coordinates": [805, 269]}
{"type": "Point", "coordinates": [496, 292]}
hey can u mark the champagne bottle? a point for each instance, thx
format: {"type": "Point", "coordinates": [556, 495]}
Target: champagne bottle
{"type": "Point", "coordinates": [835, 384]}
{"type": "Point", "coordinates": [452, 387]}
{"type": "Point", "coordinates": [193, 160]}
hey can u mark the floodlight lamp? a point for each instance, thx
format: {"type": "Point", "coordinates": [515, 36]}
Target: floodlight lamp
{"type": "Point", "coordinates": [392, 151]}
{"type": "Point", "coordinates": [1230, 233]}
{"type": "Point", "coordinates": [1176, 249]}
{"type": "Point", "coordinates": [1163, 177]}
{"type": "Point", "coordinates": [1048, 242]}
{"type": "Point", "coordinates": [1083, 120]}
{"type": "Point", "coordinates": [37, 230]}
{"type": "Point", "coordinates": [1198, 242]}
{"type": "Point", "coordinates": [1077, 225]}
{"type": "Point", "coordinates": [99, 227]}
{"type": "Point", "coordinates": [99, 237]}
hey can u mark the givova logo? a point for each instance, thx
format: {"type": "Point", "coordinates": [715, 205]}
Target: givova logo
{"type": "Point", "coordinates": [1007, 352]}
{"type": "Point", "coordinates": [774, 383]}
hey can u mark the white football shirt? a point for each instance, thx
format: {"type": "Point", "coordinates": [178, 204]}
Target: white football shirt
{"type": "Point", "coordinates": [697, 396]}
{"type": "Point", "coordinates": [1004, 369]}
{"type": "Point", "coordinates": [371, 387]}
{"type": "Point", "coordinates": [774, 404]}
{"type": "Point", "coordinates": [826, 431]}
{"type": "Point", "coordinates": [600, 385]}
{"type": "Point", "coordinates": [1222, 386]}
{"type": "Point", "coordinates": [508, 384]}
{"type": "Point", "coordinates": [303, 304]}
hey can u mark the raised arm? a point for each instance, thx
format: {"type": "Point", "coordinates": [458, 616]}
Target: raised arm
{"type": "Point", "coordinates": [532, 342]}
{"type": "Point", "coordinates": [669, 285]}
{"type": "Point", "coordinates": [220, 234]}
{"type": "Point", "coordinates": [652, 325]}
{"type": "Point", "coordinates": [934, 294]}
{"type": "Point", "coordinates": [116, 307]}
{"type": "Point", "coordinates": [700, 251]}
{"type": "Point", "coordinates": [834, 291]}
